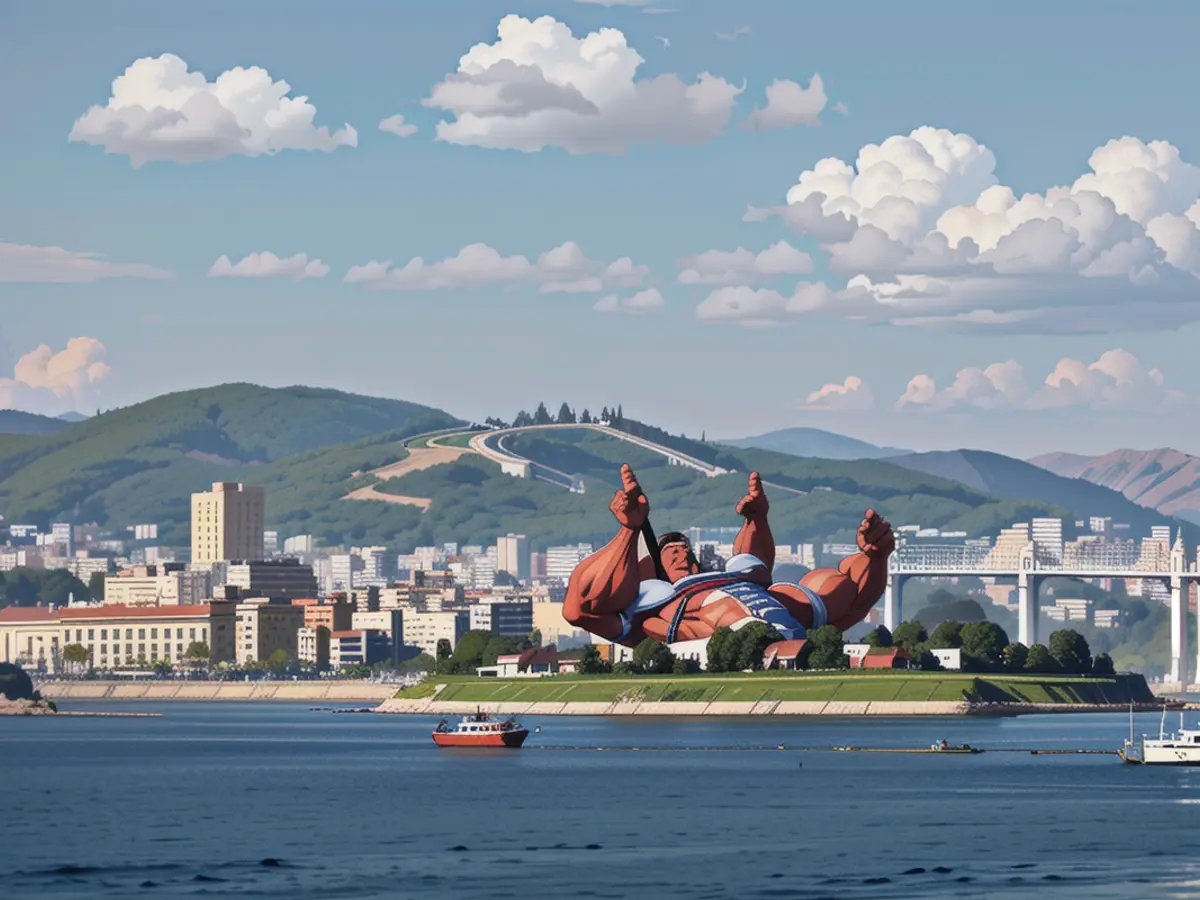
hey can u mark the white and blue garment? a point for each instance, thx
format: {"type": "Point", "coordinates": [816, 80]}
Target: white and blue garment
{"type": "Point", "coordinates": [745, 579]}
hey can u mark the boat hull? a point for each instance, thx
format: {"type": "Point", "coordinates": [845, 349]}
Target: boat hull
{"type": "Point", "coordinates": [512, 739]}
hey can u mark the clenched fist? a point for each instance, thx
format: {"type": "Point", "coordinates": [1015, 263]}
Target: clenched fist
{"type": "Point", "coordinates": [754, 505]}
{"type": "Point", "coordinates": [875, 536]}
{"type": "Point", "coordinates": [629, 504]}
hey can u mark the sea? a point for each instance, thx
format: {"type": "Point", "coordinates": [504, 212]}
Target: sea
{"type": "Point", "coordinates": [273, 800]}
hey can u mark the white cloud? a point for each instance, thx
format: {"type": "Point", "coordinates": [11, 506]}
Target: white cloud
{"type": "Point", "coordinates": [160, 111]}
{"type": "Point", "coordinates": [1115, 381]}
{"type": "Point", "coordinates": [50, 383]}
{"type": "Point", "coordinates": [922, 225]}
{"type": "Point", "coordinates": [29, 264]}
{"type": "Point", "coordinates": [397, 126]}
{"type": "Point", "coordinates": [268, 265]}
{"type": "Point", "coordinates": [564, 269]}
{"type": "Point", "coordinates": [755, 307]}
{"type": "Point", "coordinates": [789, 105]}
{"type": "Point", "coordinates": [646, 301]}
{"type": "Point", "coordinates": [539, 86]}
{"type": "Point", "coordinates": [851, 395]}
{"type": "Point", "coordinates": [741, 265]}
{"type": "Point", "coordinates": [738, 32]}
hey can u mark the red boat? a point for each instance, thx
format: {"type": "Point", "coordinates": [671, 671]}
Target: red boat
{"type": "Point", "coordinates": [480, 730]}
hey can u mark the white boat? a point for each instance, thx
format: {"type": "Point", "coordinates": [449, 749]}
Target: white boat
{"type": "Point", "coordinates": [1179, 749]}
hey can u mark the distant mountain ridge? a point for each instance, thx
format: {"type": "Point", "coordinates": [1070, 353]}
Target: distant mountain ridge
{"type": "Point", "coordinates": [1016, 479]}
{"type": "Point", "coordinates": [1163, 479]}
{"type": "Point", "coordinates": [815, 442]}
{"type": "Point", "coordinates": [15, 421]}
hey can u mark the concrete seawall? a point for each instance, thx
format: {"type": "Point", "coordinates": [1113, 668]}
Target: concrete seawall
{"type": "Point", "coordinates": [298, 691]}
{"type": "Point", "coordinates": [430, 707]}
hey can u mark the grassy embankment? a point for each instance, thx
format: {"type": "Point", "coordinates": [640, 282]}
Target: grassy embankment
{"type": "Point", "coordinates": [770, 686]}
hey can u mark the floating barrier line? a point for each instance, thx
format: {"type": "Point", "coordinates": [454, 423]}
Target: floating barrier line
{"type": "Point", "coordinates": [952, 751]}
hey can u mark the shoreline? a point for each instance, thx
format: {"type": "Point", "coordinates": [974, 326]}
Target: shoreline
{"type": "Point", "coordinates": [280, 691]}
{"type": "Point", "coordinates": [801, 708]}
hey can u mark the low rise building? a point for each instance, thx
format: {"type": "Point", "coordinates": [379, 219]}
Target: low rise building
{"type": "Point", "coordinates": [334, 616]}
{"type": "Point", "coordinates": [278, 579]}
{"type": "Point", "coordinates": [312, 645]}
{"type": "Point", "coordinates": [359, 646]}
{"type": "Point", "coordinates": [425, 629]}
{"type": "Point", "coordinates": [115, 636]}
{"type": "Point", "coordinates": [170, 584]}
{"type": "Point", "coordinates": [265, 626]}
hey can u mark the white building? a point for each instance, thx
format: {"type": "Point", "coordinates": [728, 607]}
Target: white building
{"type": "Point", "coordinates": [342, 568]}
{"type": "Point", "coordinates": [561, 561]}
{"type": "Point", "coordinates": [425, 629]}
{"type": "Point", "coordinates": [950, 659]}
{"type": "Point", "coordinates": [153, 586]}
{"type": "Point", "coordinates": [297, 545]}
{"type": "Point", "coordinates": [1047, 534]}
{"type": "Point", "coordinates": [270, 543]}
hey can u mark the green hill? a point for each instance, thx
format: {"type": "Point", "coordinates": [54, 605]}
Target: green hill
{"type": "Point", "coordinates": [473, 501]}
{"type": "Point", "coordinates": [816, 442]}
{"type": "Point", "coordinates": [141, 463]}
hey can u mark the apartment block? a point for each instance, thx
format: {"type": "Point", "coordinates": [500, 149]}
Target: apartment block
{"type": "Point", "coordinates": [265, 626]}
{"type": "Point", "coordinates": [227, 523]}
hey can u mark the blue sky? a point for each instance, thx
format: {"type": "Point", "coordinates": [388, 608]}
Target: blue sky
{"type": "Point", "coordinates": [1040, 85]}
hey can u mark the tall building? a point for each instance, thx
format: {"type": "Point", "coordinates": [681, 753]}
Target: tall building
{"type": "Point", "coordinates": [537, 566]}
{"type": "Point", "coordinates": [512, 555]}
{"type": "Point", "coordinates": [265, 626]}
{"type": "Point", "coordinates": [561, 561]}
{"type": "Point", "coordinates": [1160, 533]}
{"type": "Point", "coordinates": [227, 523]}
{"type": "Point", "coordinates": [1048, 535]}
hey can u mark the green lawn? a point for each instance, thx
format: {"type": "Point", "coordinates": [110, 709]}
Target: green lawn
{"type": "Point", "coordinates": [772, 686]}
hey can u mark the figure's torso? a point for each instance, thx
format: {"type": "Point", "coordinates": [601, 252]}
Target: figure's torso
{"type": "Point", "coordinates": [708, 609]}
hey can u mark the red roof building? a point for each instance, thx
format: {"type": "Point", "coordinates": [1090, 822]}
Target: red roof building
{"type": "Point", "coordinates": [785, 655]}
{"type": "Point", "coordinates": [881, 658]}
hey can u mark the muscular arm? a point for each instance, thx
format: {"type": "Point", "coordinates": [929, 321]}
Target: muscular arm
{"type": "Point", "coordinates": [850, 590]}
{"type": "Point", "coordinates": [606, 583]}
{"type": "Point", "coordinates": [603, 585]}
{"type": "Point", "coordinates": [755, 537]}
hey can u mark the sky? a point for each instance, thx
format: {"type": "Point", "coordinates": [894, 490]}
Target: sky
{"type": "Point", "coordinates": [976, 226]}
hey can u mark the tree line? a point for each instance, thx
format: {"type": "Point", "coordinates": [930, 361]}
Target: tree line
{"type": "Point", "coordinates": [566, 416]}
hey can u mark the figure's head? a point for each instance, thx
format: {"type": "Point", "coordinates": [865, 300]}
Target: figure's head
{"type": "Point", "coordinates": [677, 557]}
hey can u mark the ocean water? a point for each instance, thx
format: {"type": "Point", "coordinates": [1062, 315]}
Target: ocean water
{"type": "Point", "coordinates": [282, 801]}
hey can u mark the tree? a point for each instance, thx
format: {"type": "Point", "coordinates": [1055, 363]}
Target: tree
{"type": "Point", "coordinates": [590, 662]}
{"type": "Point", "coordinates": [983, 645]}
{"type": "Point", "coordinates": [96, 587]}
{"type": "Point", "coordinates": [59, 586]}
{"type": "Point", "coordinates": [196, 652]}
{"type": "Point", "coordinates": [1015, 656]}
{"type": "Point", "coordinates": [1039, 660]}
{"type": "Point", "coordinates": [585, 417]}
{"type": "Point", "coordinates": [541, 415]}
{"type": "Point", "coordinates": [828, 649]}
{"type": "Point", "coordinates": [566, 415]}
{"type": "Point", "coordinates": [718, 649]}
{"type": "Point", "coordinates": [878, 637]}
{"type": "Point", "coordinates": [752, 642]}
{"type": "Point", "coordinates": [535, 637]}
{"type": "Point", "coordinates": [910, 635]}
{"type": "Point", "coordinates": [443, 649]}
{"type": "Point", "coordinates": [522, 420]}
{"type": "Point", "coordinates": [468, 652]}
{"type": "Point", "coordinates": [620, 416]}
{"type": "Point", "coordinates": [1103, 665]}
{"type": "Point", "coordinates": [925, 659]}
{"type": "Point", "coordinates": [278, 661]}
{"type": "Point", "coordinates": [1070, 650]}
{"type": "Point", "coordinates": [162, 667]}
{"type": "Point", "coordinates": [946, 636]}
{"type": "Point", "coordinates": [652, 658]}
{"type": "Point", "coordinates": [605, 415]}
{"type": "Point", "coordinates": [76, 655]}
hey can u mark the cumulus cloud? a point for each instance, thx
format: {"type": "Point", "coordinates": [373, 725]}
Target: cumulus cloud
{"type": "Point", "coordinates": [161, 111]}
{"type": "Point", "coordinates": [922, 225]}
{"type": "Point", "coordinates": [741, 265]}
{"type": "Point", "coordinates": [29, 264]}
{"type": "Point", "coordinates": [1115, 381]}
{"type": "Point", "coordinates": [397, 126]}
{"type": "Point", "coordinates": [789, 105]}
{"type": "Point", "coordinates": [50, 382]}
{"type": "Point", "coordinates": [268, 265]}
{"type": "Point", "coordinates": [851, 395]}
{"type": "Point", "coordinates": [642, 302]}
{"type": "Point", "coordinates": [755, 307]}
{"type": "Point", "coordinates": [564, 269]}
{"type": "Point", "coordinates": [540, 86]}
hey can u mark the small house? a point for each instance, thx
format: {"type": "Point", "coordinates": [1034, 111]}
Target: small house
{"type": "Point", "coordinates": [881, 658]}
{"type": "Point", "coordinates": [786, 655]}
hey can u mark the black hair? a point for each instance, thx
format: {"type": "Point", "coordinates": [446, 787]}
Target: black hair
{"type": "Point", "coordinates": [678, 537]}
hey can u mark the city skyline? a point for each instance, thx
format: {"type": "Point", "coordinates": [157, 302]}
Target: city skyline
{"type": "Point", "coordinates": [1004, 257]}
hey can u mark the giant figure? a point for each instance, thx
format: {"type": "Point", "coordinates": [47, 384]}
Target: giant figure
{"type": "Point", "coordinates": [616, 594]}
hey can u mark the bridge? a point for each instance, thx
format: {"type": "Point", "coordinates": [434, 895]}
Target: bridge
{"type": "Point", "coordinates": [1029, 566]}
